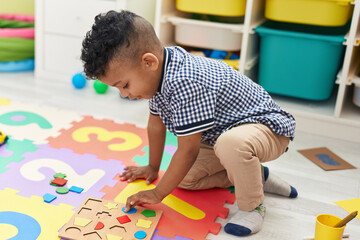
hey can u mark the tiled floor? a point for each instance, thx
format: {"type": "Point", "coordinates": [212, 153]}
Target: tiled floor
{"type": "Point", "coordinates": [285, 219]}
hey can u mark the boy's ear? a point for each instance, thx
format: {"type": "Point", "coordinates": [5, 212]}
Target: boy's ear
{"type": "Point", "coordinates": [150, 61]}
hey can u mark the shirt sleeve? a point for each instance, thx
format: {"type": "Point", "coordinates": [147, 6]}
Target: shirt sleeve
{"type": "Point", "coordinates": [153, 107]}
{"type": "Point", "coordinates": [193, 108]}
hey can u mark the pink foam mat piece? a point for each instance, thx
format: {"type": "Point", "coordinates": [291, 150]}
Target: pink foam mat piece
{"type": "Point", "coordinates": [98, 147]}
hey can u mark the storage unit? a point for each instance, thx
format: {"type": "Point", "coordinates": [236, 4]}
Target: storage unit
{"type": "Point", "coordinates": [313, 12]}
{"type": "Point", "coordinates": [231, 8]}
{"type": "Point", "coordinates": [299, 61]}
{"type": "Point", "coordinates": [338, 113]}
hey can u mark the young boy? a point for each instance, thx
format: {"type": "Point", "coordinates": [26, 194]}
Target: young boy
{"type": "Point", "coordinates": [226, 125]}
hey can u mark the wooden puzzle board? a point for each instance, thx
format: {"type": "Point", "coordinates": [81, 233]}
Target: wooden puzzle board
{"type": "Point", "coordinates": [101, 219]}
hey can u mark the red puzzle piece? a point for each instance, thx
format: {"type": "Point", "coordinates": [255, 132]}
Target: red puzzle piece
{"type": "Point", "coordinates": [123, 219]}
{"type": "Point", "coordinates": [173, 223]}
{"type": "Point", "coordinates": [99, 137]}
{"type": "Point", "coordinates": [99, 226]}
{"type": "Point", "coordinates": [59, 181]}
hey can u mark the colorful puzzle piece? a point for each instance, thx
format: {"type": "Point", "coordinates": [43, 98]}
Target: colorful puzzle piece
{"type": "Point", "coordinates": [49, 197]}
{"type": "Point", "coordinates": [184, 211]}
{"type": "Point", "coordinates": [123, 219]}
{"type": "Point", "coordinates": [81, 225]}
{"type": "Point", "coordinates": [59, 181]}
{"type": "Point", "coordinates": [81, 222]}
{"type": "Point", "coordinates": [32, 213]}
{"type": "Point", "coordinates": [59, 175]}
{"type": "Point", "coordinates": [104, 138]}
{"type": "Point", "coordinates": [76, 189]}
{"type": "Point", "coordinates": [62, 190]}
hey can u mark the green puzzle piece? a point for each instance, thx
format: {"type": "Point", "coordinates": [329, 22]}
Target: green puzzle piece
{"type": "Point", "coordinates": [18, 148]}
{"type": "Point", "coordinates": [24, 118]}
{"type": "Point", "coordinates": [171, 140]}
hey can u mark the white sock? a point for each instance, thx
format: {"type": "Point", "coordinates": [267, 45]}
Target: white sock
{"type": "Point", "coordinates": [244, 223]}
{"type": "Point", "coordinates": [274, 184]}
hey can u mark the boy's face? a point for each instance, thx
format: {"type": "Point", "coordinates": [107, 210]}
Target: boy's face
{"type": "Point", "coordinates": [137, 80]}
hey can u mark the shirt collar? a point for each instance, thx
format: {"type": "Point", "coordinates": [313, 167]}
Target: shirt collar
{"type": "Point", "coordinates": [166, 62]}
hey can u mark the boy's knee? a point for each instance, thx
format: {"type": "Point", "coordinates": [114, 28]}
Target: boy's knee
{"type": "Point", "coordinates": [189, 183]}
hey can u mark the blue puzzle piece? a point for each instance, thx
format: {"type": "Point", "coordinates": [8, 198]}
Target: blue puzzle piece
{"type": "Point", "coordinates": [76, 189]}
{"type": "Point", "coordinates": [49, 197]}
{"type": "Point", "coordinates": [131, 211]}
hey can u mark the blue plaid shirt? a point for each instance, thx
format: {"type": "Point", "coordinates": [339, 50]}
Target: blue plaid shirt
{"type": "Point", "coordinates": [198, 94]}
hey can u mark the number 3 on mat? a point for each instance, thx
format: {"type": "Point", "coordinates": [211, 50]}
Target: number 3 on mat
{"type": "Point", "coordinates": [131, 140]}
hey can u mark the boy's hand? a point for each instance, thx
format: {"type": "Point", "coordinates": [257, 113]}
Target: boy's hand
{"type": "Point", "coordinates": [134, 172]}
{"type": "Point", "coordinates": [144, 197]}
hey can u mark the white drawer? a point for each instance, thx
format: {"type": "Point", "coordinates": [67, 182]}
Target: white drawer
{"type": "Point", "coordinates": [62, 54]}
{"type": "Point", "coordinates": [73, 17]}
{"type": "Point", "coordinates": [204, 34]}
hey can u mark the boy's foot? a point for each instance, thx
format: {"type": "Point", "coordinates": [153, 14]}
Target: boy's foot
{"type": "Point", "coordinates": [244, 223]}
{"type": "Point", "coordinates": [274, 184]}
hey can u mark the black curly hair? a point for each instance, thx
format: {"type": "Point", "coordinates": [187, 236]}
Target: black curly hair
{"type": "Point", "coordinates": [122, 35]}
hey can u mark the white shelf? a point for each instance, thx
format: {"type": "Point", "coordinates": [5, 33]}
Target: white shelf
{"type": "Point", "coordinates": [306, 107]}
{"type": "Point", "coordinates": [350, 111]}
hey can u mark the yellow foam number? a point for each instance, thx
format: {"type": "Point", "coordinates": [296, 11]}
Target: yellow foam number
{"type": "Point", "coordinates": [143, 223]}
{"type": "Point", "coordinates": [171, 201]}
{"type": "Point", "coordinates": [131, 140]}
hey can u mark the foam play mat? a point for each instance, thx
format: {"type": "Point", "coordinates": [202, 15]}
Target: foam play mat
{"type": "Point", "coordinates": [55, 160]}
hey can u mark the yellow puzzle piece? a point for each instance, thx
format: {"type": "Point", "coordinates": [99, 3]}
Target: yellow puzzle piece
{"type": "Point", "coordinates": [143, 223]}
{"type": "Point", "coordinates": [111, 206]}
{"type": "Point", "coordinates": [47, 218]}
{"type": "Point", "coordinates": [113, 237]}
{"type": "Point", "coordinates": [350, 205]}
{"type": "Point", "coordinates": [81, 222]}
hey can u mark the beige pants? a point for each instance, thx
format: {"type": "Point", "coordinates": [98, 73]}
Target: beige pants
{"type": "Point", "coordinates": [235, 161]}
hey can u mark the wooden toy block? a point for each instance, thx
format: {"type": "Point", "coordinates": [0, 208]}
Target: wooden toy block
{"type": "Point", "coordinates": [102, 219]}
{"type": "Point", "coordinates": [59, 181]}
